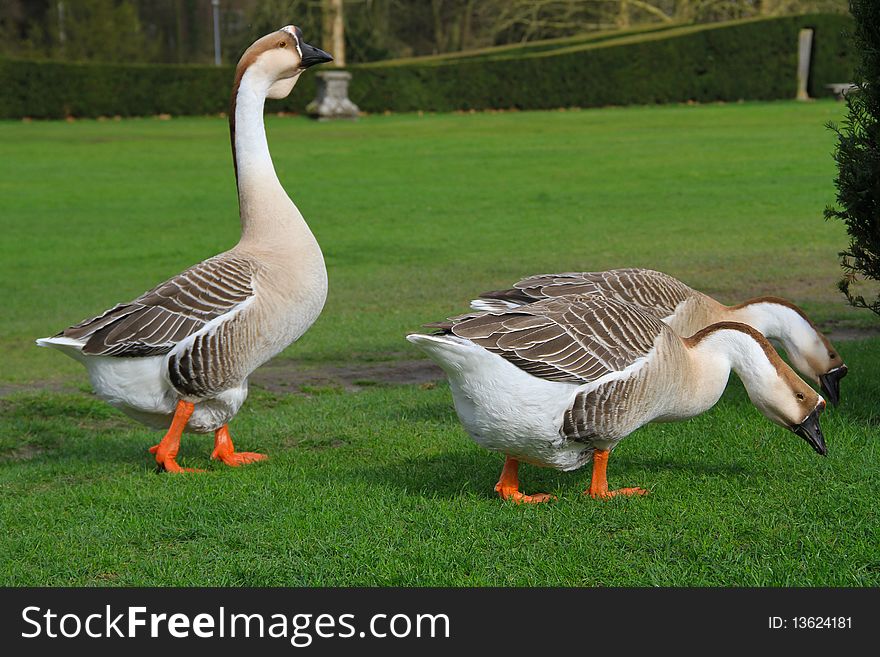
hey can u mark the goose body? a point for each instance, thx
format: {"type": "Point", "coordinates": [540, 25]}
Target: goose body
{"type": "Point", "coordinates": [687, 311]}
{"type": "Point", "coordinates": [556, 382]}
{"type": "Point", "coordinates": [178, 357]}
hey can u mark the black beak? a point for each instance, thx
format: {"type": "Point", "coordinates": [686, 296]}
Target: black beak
{"type": "Point", "coordinates": [810, 431]}
{"type": "Point", "coordinates": [830, 382]}
{"type": "Point", "coordinates": [312, 55]}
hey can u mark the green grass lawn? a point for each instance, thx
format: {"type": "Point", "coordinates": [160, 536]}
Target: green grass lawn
{"type": "Point", "coordinates": [416, 215]}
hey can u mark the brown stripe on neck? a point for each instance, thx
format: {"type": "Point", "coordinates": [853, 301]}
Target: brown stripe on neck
{"type": "Point", "coordinates": [781, 368]}
{"type": "Point", "coordinates": [775, 300]}
{"type": "Point", "coordinates": [232, 102]}
{"type": "Point", "coordinates": [278, 38]}
{"type": "Point", "coordinates": [246, 60]}
{"type": "Point", "coordinates": [788, 304]}
{"type": "Point", "coordinates": [250, 55]}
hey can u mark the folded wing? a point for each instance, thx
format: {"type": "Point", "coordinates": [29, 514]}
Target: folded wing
{"type": "Point", "coordinates": [573, 338]}
{"type": "Point", "coordinates": [161, 318]}
{"type": "Point", "coordinates": [650, 289]}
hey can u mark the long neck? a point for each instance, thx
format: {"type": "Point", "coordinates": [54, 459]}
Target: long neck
{"type": "Point", "coordinates": [698, 311]}
{"type": "Point", "coordinates": [722, 347]}
{"type": "Point", "coordinates": [774, 318]}
{"type": "Point", "coordinates": [267, 213]}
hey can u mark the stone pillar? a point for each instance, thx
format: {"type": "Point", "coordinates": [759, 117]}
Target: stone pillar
{"type": "Point", "coordinates": [805, 48]}
{"type": "Point", "coordinates": [332, 100]}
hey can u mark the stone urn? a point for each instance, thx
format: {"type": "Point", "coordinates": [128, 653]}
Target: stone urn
{"type": "Point", "coordinates": [332, 100]}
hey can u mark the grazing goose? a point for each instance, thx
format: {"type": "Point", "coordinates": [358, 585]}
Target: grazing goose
{"type": "Point", "coordinates": [563, 380]}
{"type": "Point", "coordinates": [178, 356]}
{"type": "Point", "coordinates": [687, 311]}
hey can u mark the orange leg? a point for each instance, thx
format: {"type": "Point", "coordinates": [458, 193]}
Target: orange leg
{"type": "Point", "coordinates": [599, 483]}
{"type": "Point", "coordinates": [225, 451]}
{"type": "Point", "coordinates": [166, 450]}
{"type": "Point", "coordinates": [508, 485]}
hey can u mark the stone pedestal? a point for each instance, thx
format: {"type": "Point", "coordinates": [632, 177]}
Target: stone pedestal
{"type": "Point", "coordinates": [805, 50]}
{"type": "Point", "coordinates": [331, 101]}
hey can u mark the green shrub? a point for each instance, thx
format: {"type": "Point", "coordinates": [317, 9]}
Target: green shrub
{"type": "Point", "coordinates": [858, 161]}
{"type": "Point", "coordinates": [755, 59]}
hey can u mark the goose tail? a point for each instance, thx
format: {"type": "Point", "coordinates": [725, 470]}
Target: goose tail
{"type": "Point", "coordinates": [450, 352]}
{"type": "Point", "coordinates": [69, 346]}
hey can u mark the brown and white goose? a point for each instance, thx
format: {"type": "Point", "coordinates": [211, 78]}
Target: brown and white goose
{"type": "Point", "coordinates": [687, 311]}
{"type": "Point", "coordinates": [178, 357]}
{"type": "Point", "coordinates": [561, 381]}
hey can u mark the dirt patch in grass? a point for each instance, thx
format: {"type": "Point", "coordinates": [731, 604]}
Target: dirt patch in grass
{"type": "Point", "coordinates": [842, 333]}
{"type": "Point", "coordinates": [23, 453]}
{"type": "Point", "coordinates": [285, 375]}
{"type": "Point", "coordinates": [8, 389]}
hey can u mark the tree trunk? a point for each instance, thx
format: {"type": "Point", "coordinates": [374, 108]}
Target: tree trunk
{"type": "Point", "coordinates": [464, 37]}
{"type": "Point", "coordinates": [439, 32]}
{"type": "Point", "coordinates": [178, 21]}
{"type": "Point", "coordinates": [333, 28]}
{"type": "Point", "coordinates": [623, 16]}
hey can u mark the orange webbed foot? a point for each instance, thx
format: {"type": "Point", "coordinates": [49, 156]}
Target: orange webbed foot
{"type": "Point", "coordinates": [236, 459]}
{"type": "Point", "coordinates": [168, 463]}
{"type": "Point", "coordinates": [507, 493]}
{"type": "Point", "coordinates": [607, 494]}
{"type": "Point", "coordinates": [224, 450]}
{"type": "Point", "coordinates": [508, 486]}
{"type": "Point", "coordinates": [598, 489]}
{"type": "Point", "coordinates": [166, 450]}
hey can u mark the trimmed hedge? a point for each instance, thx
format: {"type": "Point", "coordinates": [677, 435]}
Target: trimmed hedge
{"type": "Point", "coordinates": [753, 60]}
{"type": "Point", "coordinates": [51, 90]}
{"type": "Point", "coordinates": [54, 90]}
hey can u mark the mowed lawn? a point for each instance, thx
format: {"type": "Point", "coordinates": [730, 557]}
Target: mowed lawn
{"type": "Point", "coordinates": [416, 215]}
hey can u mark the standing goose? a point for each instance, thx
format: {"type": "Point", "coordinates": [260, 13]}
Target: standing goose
{"type": "Point", "coordinates": [178, 356]}
{"type": "Point", "coordinates": [687, 311]}
{"type": "Point", "coordinates": [560, 381]}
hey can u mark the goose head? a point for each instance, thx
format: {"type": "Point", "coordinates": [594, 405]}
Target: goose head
{"type": "Point", "coordinates": [815, 356]}
{"type": "Point", "coordinates": [810, 352]}
{"type": "Point", "coordinates": [785, 399]}
{"type": "Point", "coordinates": [279, 58]}
{"type": "Point", "coordinates": [773, 387]}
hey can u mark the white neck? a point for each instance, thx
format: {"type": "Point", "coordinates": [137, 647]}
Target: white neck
{"type": "Point", "coordinates": [779, 322]}
{"type": "Point", "coordinates": [267, 213]}
{"type": "Point", "coordinates": [714, 356]}
{"type": "Point", "coordinates": [771, 319]}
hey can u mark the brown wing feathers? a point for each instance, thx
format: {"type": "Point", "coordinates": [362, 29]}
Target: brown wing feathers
{"type": "Point", "coordinates": [644, 287]}
{"type": "Point", "coordinates": [158, 320]}
{"type": "Point", "coordinates": [517, 296]}
{"type": "Point", "coordinates": [575, 339]}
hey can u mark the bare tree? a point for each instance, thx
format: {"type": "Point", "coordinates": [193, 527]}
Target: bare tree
{"type": "Point", "coordinates": [356, 30]}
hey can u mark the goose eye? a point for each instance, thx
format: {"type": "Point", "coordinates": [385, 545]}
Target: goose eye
{"type": "Point", "coordinates": [832, 355]}
{"type": "Point", "coordinates": [800, 396]}
{"type": "Point", "coordinates": [282, 44]}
